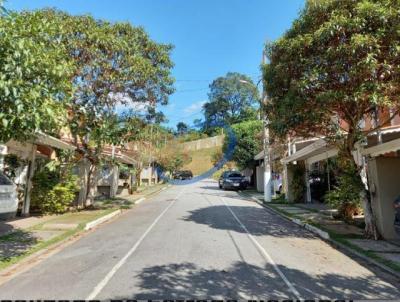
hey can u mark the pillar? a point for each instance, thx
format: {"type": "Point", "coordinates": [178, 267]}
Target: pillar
{"type": "Point", "coordinates": [28, 183]}
{"type": "Point", "coordinates": [307, 182]}
{"type": "Point", "coordinates": [3, 153]}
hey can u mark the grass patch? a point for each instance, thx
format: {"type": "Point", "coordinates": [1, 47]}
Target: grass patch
{"type": "Point", "coordinates": [24, 243]}
{"type": "Point", "coordinates": [39, 245]}
{"type": "Point", "coordinates": [282, 211]}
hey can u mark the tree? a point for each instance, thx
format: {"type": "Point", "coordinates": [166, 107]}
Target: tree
{"type": "Point", "coordinates": [338, 62]}
{"type": "Point", "coordinates": [172, 157]}
{"type": "Point", "coordinates": [232, 98]}
{"type": "Point", "coordinates": [114, 63]}
{"type": "Point", "coordinates": [182, 128]}
{"type": "Point", "coordinates": [34, 76]}
{"type": "Point", "coordinates": [248, 142]}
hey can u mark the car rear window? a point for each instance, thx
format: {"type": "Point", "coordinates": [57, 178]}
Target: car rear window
{"type": "Point", "coordinates": [4, 181]}
{"type": "Point", "coordinates": [235, 175]}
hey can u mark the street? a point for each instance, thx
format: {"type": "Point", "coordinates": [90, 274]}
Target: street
{"type": "Point", "coordinates": [197, 241]}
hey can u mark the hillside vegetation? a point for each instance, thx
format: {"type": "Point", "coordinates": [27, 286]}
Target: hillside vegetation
{"type": "Point", "coordinates": [201, 160]}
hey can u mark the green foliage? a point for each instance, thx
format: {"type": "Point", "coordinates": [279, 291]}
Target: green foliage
{"type": "Point", "coordinates": [53, 190]}
{"type": "Point", "coordinates": [125, 171]}
{"type": "Point", "coordinates": [249, 142]}
{"type": "Point", "coordinates": [338, 60]}
{"type": "Point", "coordinates": [192, 136]}
{"type": "Point", "coordinates": [346, 195]}
{"type": "Point", "coordinates": [232, 99]}
{"type": "Point", "coordinates": [34, 76]}
{"type": "Point", "coordinates": [182, 128]}
{"type": "Point", "coordinates": [114, 64]}
{"type": "Point", "coordinates": [297, 184]}
{"type": "Point", "coordinates": [173, 157]}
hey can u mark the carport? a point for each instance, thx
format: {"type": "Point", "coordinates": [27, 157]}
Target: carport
{"type": "Point", "coordinates": [316, 151]}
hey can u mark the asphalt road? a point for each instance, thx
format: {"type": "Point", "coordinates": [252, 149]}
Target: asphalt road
{"type": "Point", "coordinates": [197, 241]}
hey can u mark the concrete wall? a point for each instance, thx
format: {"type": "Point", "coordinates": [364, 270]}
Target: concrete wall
{"type": "Point", "coordinates": [384, 183]}
{"type": "Point", "coordinates": [204, 143]}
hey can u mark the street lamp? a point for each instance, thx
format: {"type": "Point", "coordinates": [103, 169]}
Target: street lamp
{"type": "Point", "coordinates": [267, 159]}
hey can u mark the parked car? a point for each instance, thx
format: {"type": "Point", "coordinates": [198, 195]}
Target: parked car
{"type": "Point", "coordinates": [8, 197]}
{"type": "Point", "coordinates": [185, 174]}
{"type": "Point", "coordinates": [232, 180]}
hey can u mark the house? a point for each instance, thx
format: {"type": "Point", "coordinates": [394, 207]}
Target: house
{"type": "Point", "coordinates": [380, 156]}
{"type": "Point", "coordinates": [42, 145]}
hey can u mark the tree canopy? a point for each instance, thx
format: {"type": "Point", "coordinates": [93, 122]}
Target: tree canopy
{"type": "Point", "coordinates": [182, 128]}
{"type": "Point", "coordinates": [340, 60]}
{"type": "Point", "coordinates": [248, 142]}
{"type": "Point", "coordinates": [232, 98]}
{"type": "Point", "coordinates": [52, 61]}
{"type": "Point", "coordinates": [34, 76]}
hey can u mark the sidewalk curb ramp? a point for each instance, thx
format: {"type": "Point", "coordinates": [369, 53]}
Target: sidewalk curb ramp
{"type": "Point", "coordinates": [325, 236]}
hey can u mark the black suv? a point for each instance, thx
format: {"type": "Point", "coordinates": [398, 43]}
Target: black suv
{"type": "Point", "coordinates": [186, 174]}
{"type": "Point", "coordinates": [232, 180]}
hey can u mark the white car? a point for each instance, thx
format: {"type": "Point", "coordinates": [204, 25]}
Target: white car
{"type": "Point", "coordinates": [8, 198]}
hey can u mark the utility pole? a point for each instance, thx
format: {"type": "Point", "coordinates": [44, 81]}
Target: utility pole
{"type": "Point", "coordinates": [267, 158]}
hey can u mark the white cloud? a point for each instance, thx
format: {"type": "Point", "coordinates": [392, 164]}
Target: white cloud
{"type": "Point", "coordinates": [194, 107]}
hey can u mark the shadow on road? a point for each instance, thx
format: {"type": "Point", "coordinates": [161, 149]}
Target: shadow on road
{"type": "Point", "coordinates": [15, 244]}
{"type": "Point", "coordinates": [242, 280]}
{"type": "Point", "coordinates": [186, 280]}
{"type": "Point", "coordinates": [257, 221]}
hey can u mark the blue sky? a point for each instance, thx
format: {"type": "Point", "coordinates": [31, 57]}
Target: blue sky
{"type": "Point", "coordinates": [211, 37]}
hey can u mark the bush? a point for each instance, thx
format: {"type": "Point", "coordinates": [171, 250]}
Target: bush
{"type": "Point", "coordinates": [248, 142]}
{"type": "Point", "coordinates": [345, 197]}
{"type": "Point", "coordinates": [298, 186]}
{"type": "Point", "coordinates": [52, 192]}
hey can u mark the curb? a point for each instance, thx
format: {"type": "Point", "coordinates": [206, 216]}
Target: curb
{"type": "Point", "coordinates": [139, 200]}
{"type": "Point", "coordinates": [325, 235]}
{"type": "Point", "coordinates": [100, 220]}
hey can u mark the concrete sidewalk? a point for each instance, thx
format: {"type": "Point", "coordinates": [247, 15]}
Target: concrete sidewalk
{"type": "Point", "coordinates": [320, 217]}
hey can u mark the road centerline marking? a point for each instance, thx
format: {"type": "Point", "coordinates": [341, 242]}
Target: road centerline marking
{"type": "Point", "coordinates": [264, 253]}
{"type": "Point", "coordinates": [99, 287]}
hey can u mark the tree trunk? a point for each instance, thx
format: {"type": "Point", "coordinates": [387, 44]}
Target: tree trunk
{"type": "Point", "coordinates": [138, 172]}
{"type": "Point", "coordinates": [356, 162]}
{"type": "Point", "coordinates": [92, 185]}
{"type": "Point", "coordinates": [371, 230]}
